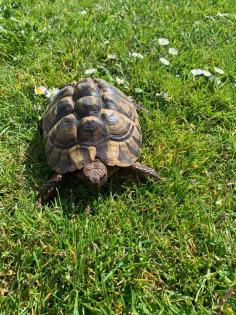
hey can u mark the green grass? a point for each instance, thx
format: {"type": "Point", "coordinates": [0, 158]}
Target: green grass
{"type": "Point", "coordinates": [149, 247]}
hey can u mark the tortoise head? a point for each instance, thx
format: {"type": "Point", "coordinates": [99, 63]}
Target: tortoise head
{"type": "Point", "coordinates": [95, 174]}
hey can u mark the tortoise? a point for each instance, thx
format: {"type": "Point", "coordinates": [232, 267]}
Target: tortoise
{"type": "Point", "coordinates": [90, 128]}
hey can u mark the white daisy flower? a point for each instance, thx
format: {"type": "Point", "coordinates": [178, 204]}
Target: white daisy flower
{"type": "Point", "coordinates": [165, 94]}
{"type": "Point", "coordinates": [50, 93]}
{"type": "Point", "coordinates": [90, 71]}
{"type": "Point", "coordinates": [173, 51]}
{"type": "Point", "coordinates": [206, 73]}
{"type": "Point", "coordinates": [138, 90]}
{"type": "Point", "coordinates": [218, 70]}
{"type": "Point", "coordinates": [164, 61]}
{"type": "Point", "coordinates": [196, 72]}
{"type": "Point", "coordinates": [222, 14]}
{"type": "Point", "coordinates": [120, 81]}
{"type": "Point", "coordinates": [136, 55]}
{"type": "Point", "coordinates": [111, 56]}
{"type": "Point", "coordinates": [163, 41]}
{"type": "Point", "coordinates": [40, 90]}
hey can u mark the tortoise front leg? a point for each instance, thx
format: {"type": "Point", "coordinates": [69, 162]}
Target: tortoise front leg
{"type": "Point", "coordinates": [144, 171]}
{"type": "Point", "coordinates": [141, 107]}
{"type": "Point", "coordinates": [48, 189]}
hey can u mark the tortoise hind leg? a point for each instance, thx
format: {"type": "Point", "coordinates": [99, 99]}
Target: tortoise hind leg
{"type": "Point", "coordinates": [48, 189]}
{"type": "Point", "coordinates": [144, 171]}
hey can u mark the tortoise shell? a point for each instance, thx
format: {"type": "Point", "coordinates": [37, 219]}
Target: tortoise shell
{"type": "Point", "coordinates": [88, 120]}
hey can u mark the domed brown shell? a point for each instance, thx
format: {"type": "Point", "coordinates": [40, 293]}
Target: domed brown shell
{"type": "Point", "coordinates": [90, 119]}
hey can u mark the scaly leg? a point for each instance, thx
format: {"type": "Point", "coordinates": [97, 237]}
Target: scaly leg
{"type": "Point", "coordinates": [48, 189]}
{"type": "Point", "coordinates": [141, 107]}
{"type": "Point", "coordinates": [144, 170]}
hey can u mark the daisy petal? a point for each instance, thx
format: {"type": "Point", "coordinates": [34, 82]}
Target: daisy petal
{"type": "Point", "coordinates": [218, 70]}
{"type": "Point", "coordinates": [206, 73]}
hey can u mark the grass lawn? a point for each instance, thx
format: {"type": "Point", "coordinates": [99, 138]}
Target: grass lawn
{"type": "Point", "coordinates": [164, 247]}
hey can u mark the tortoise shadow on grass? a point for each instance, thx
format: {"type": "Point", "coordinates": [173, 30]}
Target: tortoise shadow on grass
{"type": "Point", "coordinates": [74, 196]}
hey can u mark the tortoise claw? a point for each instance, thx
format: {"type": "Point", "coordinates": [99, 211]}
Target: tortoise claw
{"type": "Point", "coordinates": [38, 203]}
{"type": "Point", "coordinates": [145, 171]}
